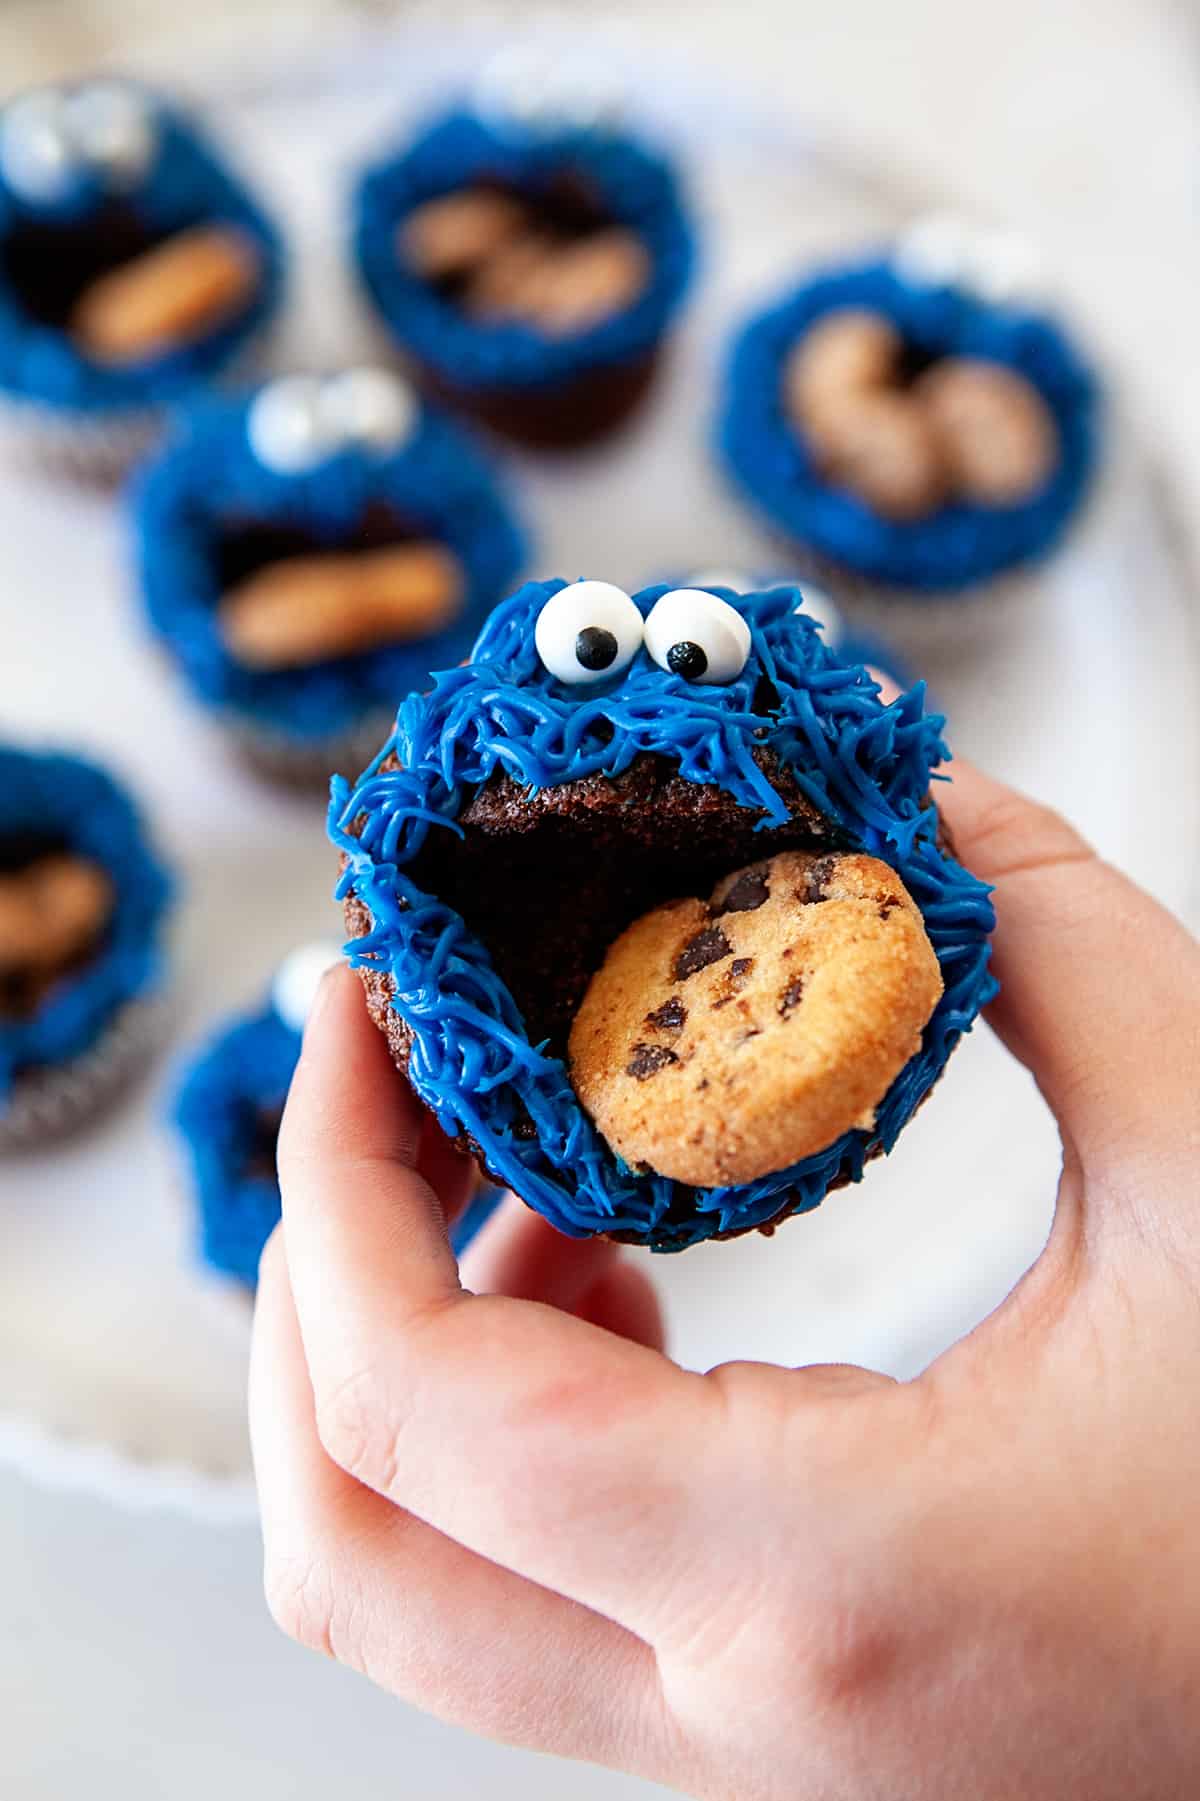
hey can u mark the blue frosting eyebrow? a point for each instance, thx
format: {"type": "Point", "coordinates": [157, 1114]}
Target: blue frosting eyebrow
{"type": "Point", "coordinates": [959, 544]}
{"type": "Point", "coordinates": [64, 800]}
{"type": "Point", "coordinates": [208, 480]}
{"type": "Point", "coordinates": [187, 184]}
{"type": "Point", "coordinates": [867, 767]}
{"type": "Point", "coordinates": [231, 1084]}
{"type": "Point", "coordinates": [636, 185]}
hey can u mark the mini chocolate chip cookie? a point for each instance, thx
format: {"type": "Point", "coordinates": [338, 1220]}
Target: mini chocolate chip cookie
{"type": "Point", "coordinates": [723, 1041]}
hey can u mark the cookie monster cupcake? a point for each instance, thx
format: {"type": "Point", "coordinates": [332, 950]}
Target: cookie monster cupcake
{"type": "Point", "coordinates": [133, 266]}
{"type": "Point", "coordinates": [652, 902]}
{"type": "Point", "coordinates": [528, 253]}
{"type": "Point", "coordinates": [915, 419]}
{"type": "Point", "coordinates": [228, 1110]}
{"type": "Point", "coordinates": [311, 552]}
{"type": "Point", "coordinates": [83, 904]}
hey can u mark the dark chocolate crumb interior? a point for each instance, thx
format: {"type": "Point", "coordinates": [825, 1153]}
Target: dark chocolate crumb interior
{"type": "Point", "coordinates": [549, 881]}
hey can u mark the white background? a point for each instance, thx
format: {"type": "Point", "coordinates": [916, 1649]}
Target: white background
{"type": "Point", "coordinates": [135, 1656]}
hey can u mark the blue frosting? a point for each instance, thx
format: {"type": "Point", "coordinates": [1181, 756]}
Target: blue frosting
{"type": "Point", "coordinates": [209, 477]}
{"type": "Point", "coordinates": [865, 766]}
{"type": "Point", "coordinates": [959, 544]}
{"type": "Point", "coordinates": [66, 800]}
{"type": "Point", "coordinates": [241, 1074]}
{"type": "Point", "coordinates": [637, 186]}
{"type": "Point", "coordinates": [186, 184]}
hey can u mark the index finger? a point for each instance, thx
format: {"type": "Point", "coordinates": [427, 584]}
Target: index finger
{"type": "Point", "coordinates": [537, 1440]}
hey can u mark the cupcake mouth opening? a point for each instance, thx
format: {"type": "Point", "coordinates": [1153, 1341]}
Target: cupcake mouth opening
{"type": "Point", "coordinates": [55, 907]}
{"type": "Point", "coordinates": [550, 256]}
{"type": "Point", "coordinates": [548, 881]}
{"type": "Point", "coordinates": [291, 597]}
{"type": "Point", "coordinates": [51, 264]}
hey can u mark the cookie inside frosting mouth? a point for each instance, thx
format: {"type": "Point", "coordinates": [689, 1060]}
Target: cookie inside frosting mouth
{"type": "Point", "coordinates": [54, 908]}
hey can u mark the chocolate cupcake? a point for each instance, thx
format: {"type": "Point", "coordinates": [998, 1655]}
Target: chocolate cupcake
{"type": "Point", "coordinates": [228, 1110]}
{"type": "Point", "coordinates": [914, 419]}
{"type": "Point", "coordinates": [653, 906]}
{"type": "Point", "coordinates": [133, 267]}
{"type": "Point", "coordinates": [83, 903]}
{"type": "Point", "coordinates": [528, 253]}
{"type": "Point", "coordinates": [309, 553]}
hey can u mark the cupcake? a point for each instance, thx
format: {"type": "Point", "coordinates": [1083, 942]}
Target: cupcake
{"type": "Point", "coordinates": [83, 903]}
{"type": "Point", "coordinates": [133, 266]}
{"type": "Point", "coordinates": [310, 552]}
{"type": "Point", "coordinates": [528, 253]}
{"type": "Point", "coordinates": [228, 1110]}
{"type": "Point", "coordinates": [652, 903]}
{"type": "Point", "coordinates": [916, 419]}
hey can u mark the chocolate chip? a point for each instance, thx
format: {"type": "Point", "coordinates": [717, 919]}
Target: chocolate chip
{"type": "Point", "coordinates": [791, 996]}
{"type": "Point", "coordinates": [749, 891]}
{"type": "Point", "coordinates": [669, 1017]}
{"type": "Point", "coordinates": [753, 1032]}
{"type": "Point", "coordinates": [735, 979]}
{"type": "Point", "coordinates": [813, 888]}
{"type": "Point", "coordinates": [887, 909]}
{"type": "Point", "coordinates": [708, 946]}
{"type": "Point", "coordinates": [648, 1059]}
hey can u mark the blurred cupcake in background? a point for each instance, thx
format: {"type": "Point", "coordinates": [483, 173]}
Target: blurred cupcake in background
{"type": "Point", "coordinates": [310, 554]}
{"type": "Point", "coordinates": [133, 267]}
{"type": "Point", "coordinates": [917, 419]}
{"type": "Point", "coordinates": [83, 904]}
{"type": "Point", "coordinates": [528, 251]}
{"type": "Point", "coordinates": [228, 1110]}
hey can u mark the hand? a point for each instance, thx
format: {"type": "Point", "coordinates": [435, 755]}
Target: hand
{"type": "Point", "coordinates": [509, 1507]}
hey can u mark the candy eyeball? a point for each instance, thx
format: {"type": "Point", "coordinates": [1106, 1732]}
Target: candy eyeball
{"type": "Point", "coordinates": [820, 605]}
{"type": "Point", "coordinates": [944, 251]}
{"type": "Point", "coordinates": [37, 155]}
{"type": "Point", "coordinates": [544, 89]}
{"type": "Point", "coordinates": [113, 131]}
{"type": "Point", "coordinates": [297, 979]}
{"type": "Point", "coordinates": [693, 634]}
{"type": "Point", "coordinates": [289, 426]}
{"type": "Point", "coordinates": [371, 407]}
{"type": "Point", "coordinates": [588, 632]}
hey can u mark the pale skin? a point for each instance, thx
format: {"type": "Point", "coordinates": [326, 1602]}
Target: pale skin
{"type": "Point", "coordinates": [493, 1493]}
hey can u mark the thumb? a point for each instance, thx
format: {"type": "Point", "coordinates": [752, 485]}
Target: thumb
{"type": "Point", "coordinates": [1099, 985]}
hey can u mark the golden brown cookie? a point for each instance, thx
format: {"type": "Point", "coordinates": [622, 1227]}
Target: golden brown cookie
{"type": "Point", "coordinates": [52, 912]}
{"type": "Point", "coordinates": [850, 351]}
{"type": "Point", "coordinates": [722, 1041]}
{"type": "Point", "coordinates": [995, 434]}
{"type": "Point", "coordinates": [184, 288]}
{"type": "Point", "coordinates": [455, 233]}
{"type": "Point", "coordinates": [329, 604]}
{"type": "Point", "coordinates": [881, 446]}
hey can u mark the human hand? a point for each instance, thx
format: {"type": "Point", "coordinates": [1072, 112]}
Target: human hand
{"type": "Point", "coordinates": [509, 1507]}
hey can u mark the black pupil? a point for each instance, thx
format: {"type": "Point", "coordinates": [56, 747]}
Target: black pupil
{"type": "Point", "coordinates": [595, 648]}
{"type": "Point", "coordinates": [687, 659]}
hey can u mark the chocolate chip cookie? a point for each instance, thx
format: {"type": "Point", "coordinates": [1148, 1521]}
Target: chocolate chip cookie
{"type": "Point", "coordinates": [724, 1040]}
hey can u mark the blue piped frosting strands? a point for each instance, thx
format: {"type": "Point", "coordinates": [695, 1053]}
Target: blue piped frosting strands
{"type": "Point", "coordinates": [959, 544]}
{"type": "Point", "coordinates": [67, 802]}
{"type": "Point", "coordinates": [635, 184]}
{"type": "Point", "coordinates": [866, 766]}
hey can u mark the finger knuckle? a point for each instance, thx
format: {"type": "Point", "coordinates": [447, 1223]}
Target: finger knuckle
{"type": "Point", "coordinates": [299, 1599]}
{"type": "Point", "coordinates": [1016, 836]}
{"type": "Point", "coordinates": [355, 1428]}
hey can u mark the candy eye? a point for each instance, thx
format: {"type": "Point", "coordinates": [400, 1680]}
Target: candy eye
{"type": "Point", "coordinates": [112, 130]}
{"type": "Point", "coordinates": [289, 425]}
{"type": "Point", "coordinates": [695, 635]}
{"type": "Point", "coordinates": [297, 979]}
{"type": "Point", "coordinates": [588, 632]}
{"type": "Point", "coordinates": [547, 89]}
{"type": "Point", "coordinates": [819, 605]}
{"type": "Point", "coordinates": [944, 251]}
{"type": "Point", "coordinates": [371, 407]}
{"type": "Point", "coordinates": [37, 156]}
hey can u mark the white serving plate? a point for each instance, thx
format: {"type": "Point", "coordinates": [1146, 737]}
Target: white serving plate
{"type": "Point", "coordinates": [121, 1365]}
